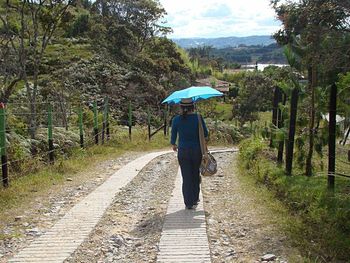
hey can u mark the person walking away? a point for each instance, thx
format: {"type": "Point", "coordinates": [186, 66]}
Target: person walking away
{"type": "Point", "coordinates": [185, 129]}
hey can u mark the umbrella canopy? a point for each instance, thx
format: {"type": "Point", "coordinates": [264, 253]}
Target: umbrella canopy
{"type": "Point", "coordinates": [195, 93]}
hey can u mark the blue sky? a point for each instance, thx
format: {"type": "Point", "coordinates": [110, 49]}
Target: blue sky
{"type": "Point", "coordinates": [220, 18]}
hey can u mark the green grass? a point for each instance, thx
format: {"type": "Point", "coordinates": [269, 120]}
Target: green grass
{"type": "Point", "coordinates": [322, 218]}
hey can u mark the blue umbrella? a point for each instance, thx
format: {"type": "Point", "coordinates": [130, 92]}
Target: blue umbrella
{"type": "Point", "coordinates": [195, 93]}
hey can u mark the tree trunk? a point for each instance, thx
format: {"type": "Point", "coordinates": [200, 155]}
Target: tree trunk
{"type": "Point", "coordinates": [5, 95]}
{"type": "Point", "coordinates": [291, 132]}
{"type": "Point", "coordinates": [312, 72]}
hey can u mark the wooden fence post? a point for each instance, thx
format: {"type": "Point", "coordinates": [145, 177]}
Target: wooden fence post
{"type": "Point", "coordinates": [4, 167]}
{"type": "Point", "coordinates": [95, 122]}
{"type": "Point", "coordinates": [81, 131]}
{"type": "Point", "coordinates": [50, 134]}
{"type": "Point", "coordinates": [331, 139]}
{"type": "Point", "coordinates": [291, 132]}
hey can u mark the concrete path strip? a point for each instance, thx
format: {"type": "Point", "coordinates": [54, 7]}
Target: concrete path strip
{"type": "Point", "coordinates": [68, 233]}
{"type": "Point", "coordinates": [184, 235]}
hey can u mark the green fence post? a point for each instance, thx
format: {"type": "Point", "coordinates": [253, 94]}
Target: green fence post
{"type": "Point", "coordinates": [130, 120]}
{"type": "Point", "coordinates": [165, 121]}
{"type": "Point", "coordinates": [95, 122]}
{"type": "Point", "coordinates": [104, 122]}
{"type": "Point", "coordinates": [81, 131]}
{"type": "Point", "coordinates": [149, 123]}
{"type": "Point", "coordinates": [4, 167]}
{"type": "Point", "coordinates": [107, 119]}
{"type": "Point", "coordinates": [49, 133]}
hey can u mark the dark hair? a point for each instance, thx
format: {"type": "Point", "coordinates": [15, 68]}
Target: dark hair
{"type": "Point", "coordinates": [186, 109]}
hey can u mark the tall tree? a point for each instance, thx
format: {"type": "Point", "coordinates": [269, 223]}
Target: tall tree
{"type": "Point", "coordinates": [143, 18]}
{"type": "Point", "coordinates": [309, 24]}
{"type": "Point", "coordinates": [10, 72]}
{"type": "Point", "coordinates": [37, 22]}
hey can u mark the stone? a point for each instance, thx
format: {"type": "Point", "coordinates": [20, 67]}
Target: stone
{"type": "Point", "coordinates": [69, 179]}
{"type": "Point", "coordinates": [268, 257]}
{"type": "Point", "coordinates": [18, 218]}
{"type": "Point", "coordinates": [117, 240]}
{"type": "Point", "coordinates": [33, 232]}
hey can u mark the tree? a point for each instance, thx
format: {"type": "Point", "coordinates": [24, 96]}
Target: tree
{"type": "Point", "coordinates": [10, 72]}
{"type": "Point", "coordinates": [37, 22]}
{"type": "Point", "coordinates": [143, 18]}
{"type": "Point", "coordinates": [308, 26]}
{"type": "Point", "coordinates": [255, 95]}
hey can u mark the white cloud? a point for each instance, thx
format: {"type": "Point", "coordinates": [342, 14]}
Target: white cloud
{"type": "Point", "coordinates": [217, 18]}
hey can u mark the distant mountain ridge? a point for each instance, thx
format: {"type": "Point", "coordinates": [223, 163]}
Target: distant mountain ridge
{"type": "Point", "coordinates": [224, 42]}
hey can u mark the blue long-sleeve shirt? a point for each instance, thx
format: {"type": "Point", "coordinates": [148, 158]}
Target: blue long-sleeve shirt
{"type": "Point", "coordinates": [187, 129]}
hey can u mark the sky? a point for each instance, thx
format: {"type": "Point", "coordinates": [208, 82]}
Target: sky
{"type": "Point", "coordinates": [219, 18]}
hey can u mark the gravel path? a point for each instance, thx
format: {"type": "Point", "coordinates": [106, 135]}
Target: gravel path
{"type": "Point", "coordinates": [241, 227]}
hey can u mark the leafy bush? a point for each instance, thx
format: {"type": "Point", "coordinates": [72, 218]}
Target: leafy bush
{"type": "Point", "coordinates": [222, 132]}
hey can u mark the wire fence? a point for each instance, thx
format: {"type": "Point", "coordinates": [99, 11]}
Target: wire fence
{"type": "Point", "coordinates": [59, 128]}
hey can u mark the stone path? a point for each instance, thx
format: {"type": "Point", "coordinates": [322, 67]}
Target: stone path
{"type": "Point", "coordinates": [184, 236]}
{"type": "Point", "coordinates": [68, 233]}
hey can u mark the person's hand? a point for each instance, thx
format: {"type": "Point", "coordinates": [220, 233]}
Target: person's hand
{"type": "Point", "coordinates": [174, 147]}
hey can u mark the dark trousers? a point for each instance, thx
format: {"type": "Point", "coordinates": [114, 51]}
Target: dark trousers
{"type": "Point", "coordinates": [190, 160]}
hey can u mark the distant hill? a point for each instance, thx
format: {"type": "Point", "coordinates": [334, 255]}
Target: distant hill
{"type": "Point", "coordinates": [224, 42]}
